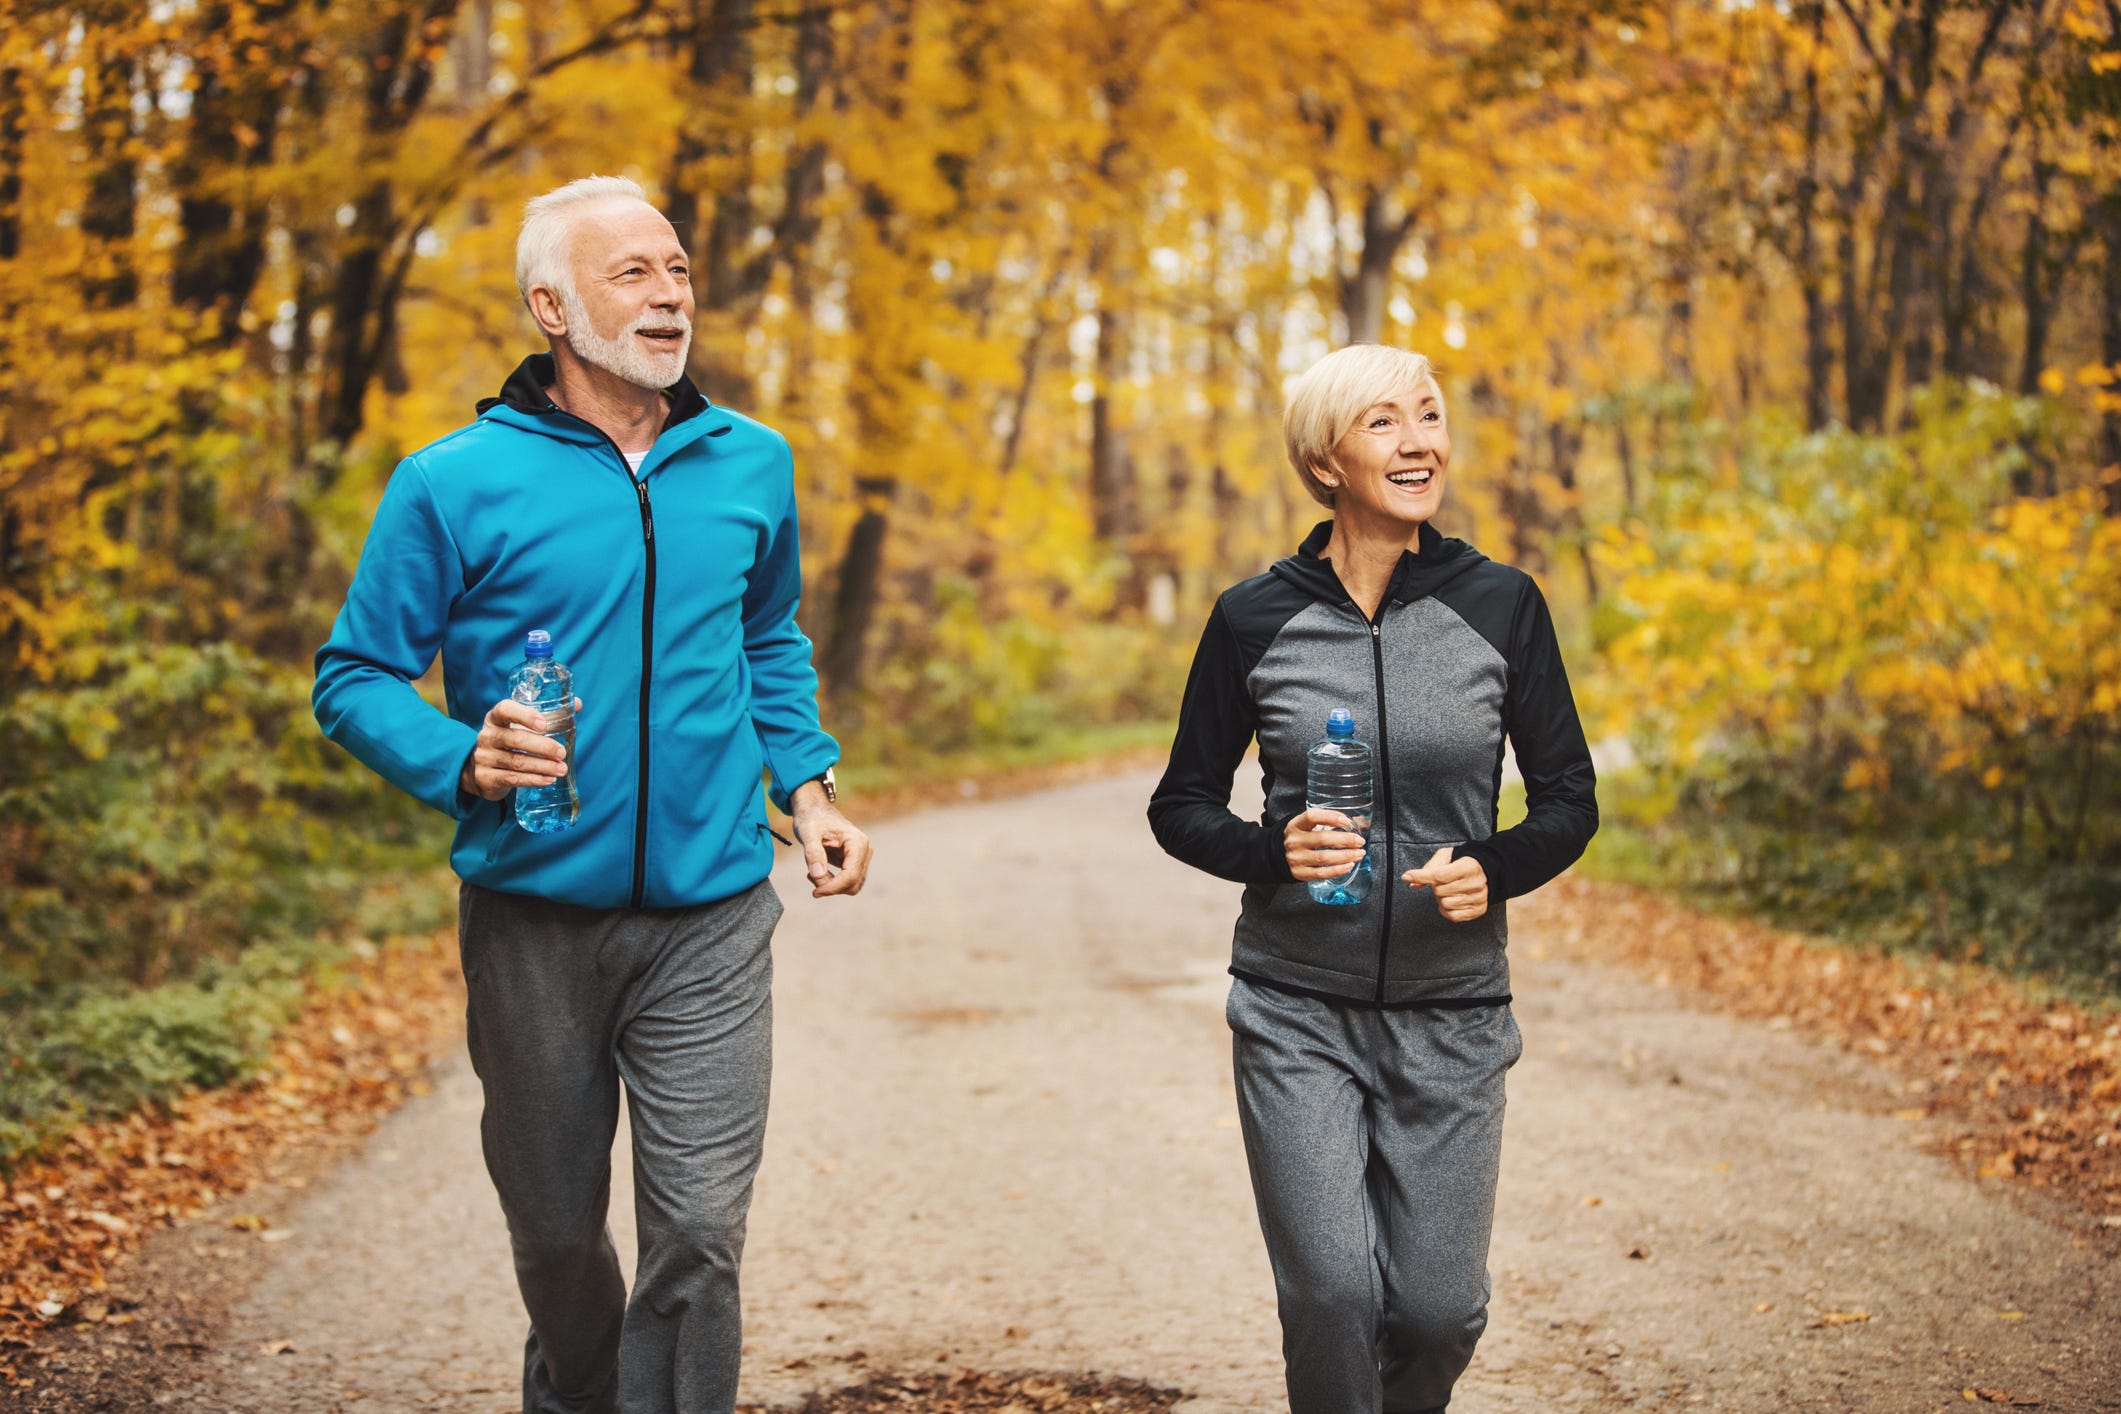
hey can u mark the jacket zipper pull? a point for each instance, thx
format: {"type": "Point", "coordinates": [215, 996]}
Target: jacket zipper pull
{"type": "Point", "coordinates": [640, 489]}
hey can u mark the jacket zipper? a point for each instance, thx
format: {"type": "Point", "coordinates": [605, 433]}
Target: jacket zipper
{"type": "Point", "coordinates": [640, 808]}
{"type": "Point", "coordinates": [1384, 773]}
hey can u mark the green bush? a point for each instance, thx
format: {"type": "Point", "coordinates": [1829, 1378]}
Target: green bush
{"type": "Point", "coordinates": [174, 809]}
{"type": "Point", "coordinates": [1874, 682]}
{"type": "Point", "coordinates": [108, 1053]}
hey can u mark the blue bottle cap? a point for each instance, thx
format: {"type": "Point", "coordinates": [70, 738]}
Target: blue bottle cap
{"type": "Point", "coordinates": [1340, 722]}
{"type": "Point", "coordinates": [537, 644]}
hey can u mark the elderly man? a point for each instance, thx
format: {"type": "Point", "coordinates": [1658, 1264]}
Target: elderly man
{"type": "Point", "coordinates": [600, 497]}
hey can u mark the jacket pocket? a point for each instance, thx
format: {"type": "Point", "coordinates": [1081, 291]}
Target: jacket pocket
{"type": "Point", "coordinates": [1425, 944]}
{"type": "Point", "coordinates": [504, 821]}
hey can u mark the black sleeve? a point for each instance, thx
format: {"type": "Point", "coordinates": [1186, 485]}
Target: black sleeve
{"type": "Point", "coordinates": [1560, 786]}
{"type": "Point", "coordinates": [1190, 811]}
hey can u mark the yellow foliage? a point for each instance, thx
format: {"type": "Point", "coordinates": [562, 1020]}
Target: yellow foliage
{"type": "Point", "coordinates": [1885, 623]}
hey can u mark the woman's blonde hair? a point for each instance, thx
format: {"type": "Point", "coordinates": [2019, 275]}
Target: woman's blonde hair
{"type": "Point", "coordinates": [1328, 397]}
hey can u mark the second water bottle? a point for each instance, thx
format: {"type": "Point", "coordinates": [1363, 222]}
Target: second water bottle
{"type": "Point", "coordinates": [1340, 778]}
{"type": "Point", "coordinates": [543, 683]}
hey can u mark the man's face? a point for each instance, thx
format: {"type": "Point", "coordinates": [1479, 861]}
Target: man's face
{"type": "Point", "coordinates": [630, 312]}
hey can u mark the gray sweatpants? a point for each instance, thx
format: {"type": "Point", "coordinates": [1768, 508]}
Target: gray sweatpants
{"type": "Point", "coordinates": [1374, 1139]}
{"type": "Point", "coordinates": [567, 1004]}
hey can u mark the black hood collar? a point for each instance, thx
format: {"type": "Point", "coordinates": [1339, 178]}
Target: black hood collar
{"type": "Point", "coordinates": [526, 391]}
{"type": "Point", "coordinates": [1435, 562]}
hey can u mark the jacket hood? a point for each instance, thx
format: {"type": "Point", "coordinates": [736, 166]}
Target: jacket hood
{"type": "Point", "coordinates": [527, 395]}
{"type": "Point", "coordinates": [1420, 573]}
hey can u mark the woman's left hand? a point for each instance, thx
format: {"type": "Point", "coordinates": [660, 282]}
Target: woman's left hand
{"type": "Point", "coordinates": [1461, 885]}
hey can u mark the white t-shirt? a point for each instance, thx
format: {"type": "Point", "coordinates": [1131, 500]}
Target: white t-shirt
{"type": "Point", "coordinates": [634, 460]}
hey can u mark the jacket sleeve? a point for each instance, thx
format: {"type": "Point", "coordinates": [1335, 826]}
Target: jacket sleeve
{"type": "Point", "coordinates": [389, 631]}
{"type": "Point", "coordinates": [1561, 800]}
{"type": "Point", "coordinates": [1190, 810]}
{"type": "Point", "coordinates": [783, 683]}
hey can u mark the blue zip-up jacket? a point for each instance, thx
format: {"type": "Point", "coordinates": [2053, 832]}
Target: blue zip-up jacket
{"type": "Point", "coordinates": [671, 595]}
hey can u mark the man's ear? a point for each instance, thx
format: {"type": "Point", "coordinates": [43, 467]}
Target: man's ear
{"type": "Point", "coordinates": [546, 309]}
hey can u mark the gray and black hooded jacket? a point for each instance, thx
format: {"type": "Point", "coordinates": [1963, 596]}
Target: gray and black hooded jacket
{"type": "Point", "coordinates": [1461, 656]}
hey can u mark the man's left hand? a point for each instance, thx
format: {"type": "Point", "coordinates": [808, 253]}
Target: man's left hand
{"type": "Point", "coordinates": [1461, 885]}
{"type": "Point", "coordinates": [835, 853]}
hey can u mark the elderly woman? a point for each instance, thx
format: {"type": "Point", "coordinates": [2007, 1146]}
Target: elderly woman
{"type": "Point", "coordinates": [1371, 1040]}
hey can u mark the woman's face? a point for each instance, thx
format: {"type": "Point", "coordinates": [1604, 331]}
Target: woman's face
{"type": "Point", "coordinates": [1391, 465]}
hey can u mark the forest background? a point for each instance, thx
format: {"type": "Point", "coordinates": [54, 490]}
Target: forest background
{"type": "Point", "coordinates": [1782, 341]}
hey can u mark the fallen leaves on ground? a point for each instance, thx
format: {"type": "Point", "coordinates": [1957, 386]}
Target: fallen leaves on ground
{"type": "Point", "coordinates": [2030, 1088]}
{"type": "Point", "coordinates": [972, 1390]}
{"type": "Point", "coordinates": [354, 1054]}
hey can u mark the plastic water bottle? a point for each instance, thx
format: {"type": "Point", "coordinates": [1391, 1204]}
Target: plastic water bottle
{"type": "Point", "coordinates": [1339, 778]}
{"type": "Point", "coordinates": [544, 683]}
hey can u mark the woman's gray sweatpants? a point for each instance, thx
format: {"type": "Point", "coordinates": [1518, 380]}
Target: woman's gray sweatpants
{"type": "Point", "coordinates": [567, 1004]}
{"type": "Point", "coordinates": [1374, 1139]}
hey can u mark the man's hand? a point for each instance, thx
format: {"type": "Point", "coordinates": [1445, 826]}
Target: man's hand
{"type": "Point", "coordinates": [1461, 885]}
{"type": "Point", "coordinates": [835, 853]}
{"type": "Point", "coordinates": [1321, 844]}
{"type": "Point", "coordinates": [513, 751]}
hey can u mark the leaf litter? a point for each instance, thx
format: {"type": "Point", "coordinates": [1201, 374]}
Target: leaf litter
{"type": "Point", "coordinates": [982, 1392]}
{"type": "Point", "coordinates": [2023, 1089]}
{"type": "Point", "coordinates": [359, 1049]}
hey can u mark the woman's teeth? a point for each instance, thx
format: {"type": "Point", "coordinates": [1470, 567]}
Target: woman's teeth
{"type": "Point", "coordinates": [1410, 478]}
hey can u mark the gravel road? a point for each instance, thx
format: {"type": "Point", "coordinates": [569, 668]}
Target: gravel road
{"type": "Point", "coordinates": [1003, 1136]}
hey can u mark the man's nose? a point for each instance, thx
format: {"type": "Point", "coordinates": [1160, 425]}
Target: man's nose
{"type": "Point", "coordinates": [669, 294]}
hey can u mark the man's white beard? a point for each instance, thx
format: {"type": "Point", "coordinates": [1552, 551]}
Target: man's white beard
{"type": "Point", "coordinates": [626, 356]}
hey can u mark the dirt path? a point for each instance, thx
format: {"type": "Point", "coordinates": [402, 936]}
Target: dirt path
{"type": "Point", "coordinates": [1003, 1137]}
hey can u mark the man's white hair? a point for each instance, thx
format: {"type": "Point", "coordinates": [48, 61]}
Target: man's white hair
{"type": "Point", "coordinates": [542, 246]}
{"type": "Point", "coordinates": [1332, 393]}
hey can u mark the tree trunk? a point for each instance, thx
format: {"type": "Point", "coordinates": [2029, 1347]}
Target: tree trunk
{"type": "Point", "coordinates": [1679, 277]}
{"type": "Point", "coordinates": [1364, 295]}
{"type": "Point", "coordinates": [234, 114]}
{"type": "Point", "coordinates": [1111, 469]}
{"type": "Point", "coordinates": [2109, 216]}
{"type": "Point", "coordinates": [1113, 512]}
{"type": "Point", "coordinates": [1818, 357]}
{"type": "Point", "coordinates": [474, 51]}
{"type": "Point", "coordinates": [11, 132]}
{"type": "Point", "coordinates": [1856, 358]}
{"type": "Point", "coordinates": [861, 579]}
{"type": "Point", "coordinates": [710, 183]}
{"type": "Point", "coordinates": [369, 280]}
{"type": "Point", "coordinates": [2034, 287]}
{"type": "Point", "coordinates": [353, 349]}
{"type": "Point", "coordinates": [1624, 449]}
{"type": "Point", "coordinates": [107, 212]}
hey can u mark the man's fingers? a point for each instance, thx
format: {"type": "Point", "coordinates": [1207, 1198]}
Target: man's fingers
{"type": "Point", "coordinates": [530, 744]}
{"type": "Point", "coordinates": [847, 878]}
{"type": "Point", "coordinates": [814, 854]}
{"type": "Point", "coordinates": [543, 766]}
{"type": "Point", "coordinates": [510, 713]}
